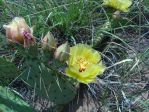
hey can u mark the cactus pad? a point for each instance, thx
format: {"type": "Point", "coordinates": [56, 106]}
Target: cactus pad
{"type": "Point", "coordinates": [48, 84]}
{"type": "Point", "coordinates": [11, 102]}
{"type": "Point", "coordinates": [8, 72]}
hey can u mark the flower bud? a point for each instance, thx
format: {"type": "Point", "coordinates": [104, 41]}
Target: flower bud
{"type": "Point", "coordinates": [18, 30]}
{"type": "Point", "coordinates": [116, 15]}
{"type": "Point", "coordinates": [49, 42]}
{"type": "Point", "coordinates": [62, 52]}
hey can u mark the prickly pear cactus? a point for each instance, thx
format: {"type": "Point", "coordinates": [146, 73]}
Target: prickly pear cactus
{"type": "Point", "coordinates": [8, 72]}
{"type": "Point", "coordinates": [40, 71]}
{"type": "Point", "coordinates": [48, 83]}
{"type": "Point", "coordinates": [7, 69]}
{"type": "Point", "coordinates": [11, 102]}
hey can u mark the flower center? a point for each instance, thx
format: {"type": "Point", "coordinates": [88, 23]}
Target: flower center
{"type": "Point", "coordinates": [27, 35]}
{"type": "Point", "coordinates": [82, 63]}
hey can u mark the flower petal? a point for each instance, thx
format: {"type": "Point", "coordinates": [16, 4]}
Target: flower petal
{"type": "Point", "coordinates": [84, 51]}
{"type": "Point", "coordinates": [86, 76]}
{"type": "Point", "coordinates": [122, 5]}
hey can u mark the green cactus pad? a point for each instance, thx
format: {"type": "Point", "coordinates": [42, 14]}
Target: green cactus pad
{"type": "Point", "coordinates": [4, 108]}
{"type": "Point", "coordinates": [7, 69]}
{"type": "Point", "coordinates": [49, 84]}
{"type": "Point", "coordinates": [11, 102]}
{"type": "Point", "coordinates": [8, 72]}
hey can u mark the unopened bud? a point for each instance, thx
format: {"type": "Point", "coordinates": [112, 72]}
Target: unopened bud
{"type": "Point", "coordinates": [62, 52]}
{"type": "Point", "coordinates": [116, 15]}
{"type": "Point", "coordinates": [49, 42]}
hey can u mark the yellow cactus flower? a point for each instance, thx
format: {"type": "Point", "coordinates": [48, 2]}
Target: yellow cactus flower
{"type": "Point", "coordinates": [84, 64]}
{"type": "Point", "coordinates": [122, 5]}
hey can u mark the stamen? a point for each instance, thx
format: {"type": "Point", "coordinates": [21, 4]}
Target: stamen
{"type": "Point", "coordinates": [82, 63]}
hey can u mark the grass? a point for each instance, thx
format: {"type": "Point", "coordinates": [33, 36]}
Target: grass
{"type": "Point", "coordinates": [123, 86]}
